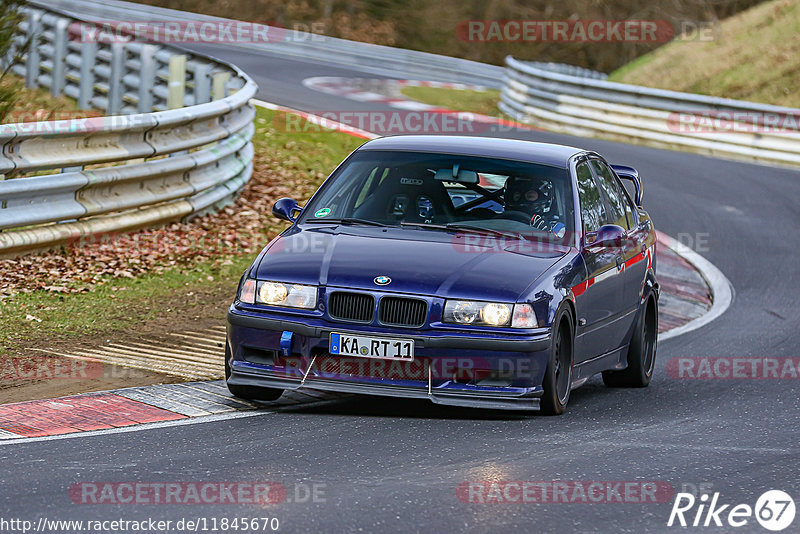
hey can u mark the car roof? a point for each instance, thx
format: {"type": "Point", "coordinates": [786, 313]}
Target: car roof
{"type": "Point", "coordinates": [515, 149]}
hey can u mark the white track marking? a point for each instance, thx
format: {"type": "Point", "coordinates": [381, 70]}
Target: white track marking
{"type": "Point", "coordinates": [412, 105]}
{"type": "Point", "coordinates": [157, 354]}
{"type": "Point", "coordinates": [189, 350]}
{"type": "Point", "coordinates": [197, 339]}
{"type": "Point", "coordinates": [181, 354]}
{"type": "Point", "coordinates": [721, 289]}
{"type": "Point", "coordinates": [201, 334]}
{"type": "Point", "coordinates": [145, 363]}
{"type": "Point", "coordinates": [139, 428]}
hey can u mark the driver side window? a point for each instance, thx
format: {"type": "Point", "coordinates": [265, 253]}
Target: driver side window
{"type": "Point", "coordinates": [615, 196]}
{"type": "Point", "coordinates": [592, 209]}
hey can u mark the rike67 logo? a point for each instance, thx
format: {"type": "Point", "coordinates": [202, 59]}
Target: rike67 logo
{"type": "Point", "coordinates": [774, 510]}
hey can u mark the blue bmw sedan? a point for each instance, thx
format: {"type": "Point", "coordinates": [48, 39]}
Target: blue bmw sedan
{"type": "Point", "coordinates": [469, 271]}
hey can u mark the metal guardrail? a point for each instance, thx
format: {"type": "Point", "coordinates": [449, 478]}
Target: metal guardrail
{"type": "Point", "coordinates": [585, 104]}
{"type": "Point", "coordinates": [120, 172]}
{"type": "Point", "coordinates": [384, 60]}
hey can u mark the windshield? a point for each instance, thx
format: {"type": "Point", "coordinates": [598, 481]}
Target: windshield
{"type": "Point", "coordinates": [402, 188]}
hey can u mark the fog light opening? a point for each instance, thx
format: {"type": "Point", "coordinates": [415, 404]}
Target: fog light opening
{"type": "Point", "coordinates": [494, 378]}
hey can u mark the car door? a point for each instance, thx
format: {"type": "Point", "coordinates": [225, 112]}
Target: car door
{"type": "Point", "coordinates": [630, 265]}
{"type": "Point", "coordinates": [598, 298]}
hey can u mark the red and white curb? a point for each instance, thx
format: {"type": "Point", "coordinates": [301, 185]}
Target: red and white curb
{"type": "Point", "coordinates": [375, 90]}
{"type": "Point", "coordinates": [387, 91]}
{"type": "Point", "coordinates": [681, 292]}
{"type": "Point", "coordinates": [130, 409]}
{"type": "Point", "coordinates": [317, 120]}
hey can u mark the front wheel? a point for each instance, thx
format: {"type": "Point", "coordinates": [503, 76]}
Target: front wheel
{"type": "Point", "coordinates": [641, 352]}
{"type": "Point", "coordinates": [557, 382]}
{"type": "Point", "coordinates": [248, 392]}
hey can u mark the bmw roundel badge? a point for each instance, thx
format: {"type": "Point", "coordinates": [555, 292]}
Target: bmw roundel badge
{"type": "Point", "coordinates": [382, 280]}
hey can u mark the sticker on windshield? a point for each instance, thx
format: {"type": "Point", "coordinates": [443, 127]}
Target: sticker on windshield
{"type": "Point", "coordinates": [324, 212]}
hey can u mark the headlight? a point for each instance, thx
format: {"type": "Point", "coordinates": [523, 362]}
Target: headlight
{"type": "Point", "coordinates": [289, 295]}
{"type": "Point", "coordinates": [489, 314]}
{"type": "Point", "coordinates": [496, 314]}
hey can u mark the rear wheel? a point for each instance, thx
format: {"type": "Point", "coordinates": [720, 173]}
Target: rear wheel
{"type": "Point", "coordinates": [558, 376]}
{"type": "Point", "coordinates": [641, 352]}
{"type": "Point", "coordinates": [248, 392]}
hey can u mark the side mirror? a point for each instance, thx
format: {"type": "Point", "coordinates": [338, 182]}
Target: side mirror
{"type": "Point", "coordinates": [629, 173]}
{"type": "Point", "coordinates": [608, 236]}
{"type": "Point", "coordinates": [287, 209]}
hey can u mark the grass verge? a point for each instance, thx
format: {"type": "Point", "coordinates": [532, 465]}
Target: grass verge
{"type": "Point", "coordinates": [37, 104]}
{"type": "Point", "coordinates": [483, 102]}
{"type": "Point", "coordinates": [750, 56]}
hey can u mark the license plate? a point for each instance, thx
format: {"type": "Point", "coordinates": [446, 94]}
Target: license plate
{"type": "Point", "coordinates": [372, 347]}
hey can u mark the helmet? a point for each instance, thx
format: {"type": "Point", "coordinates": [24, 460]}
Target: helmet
{"type": "Point", "coordinates": [528, 195]}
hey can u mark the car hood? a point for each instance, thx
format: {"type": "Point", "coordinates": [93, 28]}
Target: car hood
{"type": "Point", "coordinates": [420, 262]}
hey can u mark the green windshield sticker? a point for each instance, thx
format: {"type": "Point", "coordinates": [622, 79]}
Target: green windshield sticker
{"type": "Point", "coordinates": [324, 212]}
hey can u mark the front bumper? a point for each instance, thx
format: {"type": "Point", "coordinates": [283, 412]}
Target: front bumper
{"type": "Point", "coordinates": [451, 368]}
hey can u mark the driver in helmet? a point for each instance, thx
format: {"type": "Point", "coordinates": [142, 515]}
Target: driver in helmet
{"type": "Point", "coordinates": [529, 198]}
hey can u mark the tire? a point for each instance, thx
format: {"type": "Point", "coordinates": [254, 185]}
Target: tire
{"type": "Point", "coordinates": [557, 381]}
{"type": "Point", "coordinates": [248, 392]}
{"type": "Point", "coordinates": [641, 352]}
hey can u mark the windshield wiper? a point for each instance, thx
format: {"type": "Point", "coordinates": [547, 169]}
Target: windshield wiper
{"type": "Point", "coordinates": [424, 225]}
{"type": "Point", "coordinates": [481, 230]}
{"type": "Point", "coordinates": [347, 220]}
{"type": "Point", "coordinates": [464, 228]}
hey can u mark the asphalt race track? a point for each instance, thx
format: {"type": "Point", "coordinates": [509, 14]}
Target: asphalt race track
{"type": "Point", "coordinates": [391, 465]}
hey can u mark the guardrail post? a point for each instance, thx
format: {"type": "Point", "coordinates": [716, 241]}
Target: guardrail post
{"type": "Point", "coordinates": [59, 57]}
{"type": "Point", "coordinates": [202, 83]}
{"type": "Point", "coordinates": [32, 60]}
{"type": "Point", "coordinates": [220, 83]}
{"type": "Point", "coordinates": [115, 81]}
{"type": "Point", "coordinates": [147, 76]}
{"type": "Point", "coordinates": [177, 81]}
{"type": "Point", "coordinates": [86, 83]}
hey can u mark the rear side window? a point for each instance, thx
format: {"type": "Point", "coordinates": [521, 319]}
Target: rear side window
{"type": "Point", "coordinates": [619, 211]}
{"type": "Point", "coordinates": [592, 208]}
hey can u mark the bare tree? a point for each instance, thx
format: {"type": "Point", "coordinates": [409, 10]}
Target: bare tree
{"type": "Point", "coordinates": [11, 52]}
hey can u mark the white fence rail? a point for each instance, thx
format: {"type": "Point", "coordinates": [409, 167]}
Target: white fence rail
{"type": "Point", "coordinates": [584, 103]}
{"type": "Point", "coordinates": [142, 164]}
